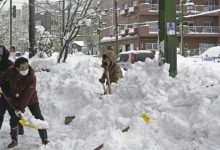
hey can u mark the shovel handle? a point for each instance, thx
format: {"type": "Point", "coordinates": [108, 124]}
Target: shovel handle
{"type": "Point", "coordinates": [108, 82]}
{"type": "Point", "coordinates": [8, 100]}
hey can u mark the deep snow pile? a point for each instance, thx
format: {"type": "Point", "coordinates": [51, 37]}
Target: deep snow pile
{"type": "Point", "coordinates": [185, 110]}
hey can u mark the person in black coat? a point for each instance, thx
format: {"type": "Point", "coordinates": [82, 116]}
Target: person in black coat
{"type": "Point", "coordinates": [5, 63]}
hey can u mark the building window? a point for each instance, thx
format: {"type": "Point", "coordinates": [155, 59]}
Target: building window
{"type": "Point", "coordinates": [153, 27]}
{"type": "Point", "coordinates": [134, 3]}
{"type": "Point", "coordinates": [125, 6]}
{"type": "Point", "coordinates": [151, 46]}
{"type": "Point", "coordinates": [209, 2]}
{"type": "Point", "coordinates": [190, 6]}
{"type": "Point", "coordinates": [151, 1]}
{"type": "Point", "coordinates": [135, 25]}
{"type": "Point", "coordinates": [188, 23]}
{"type": "Point", "coordinates": [111, 31]}
{"type": "Point", "coordinates": [209, 23]}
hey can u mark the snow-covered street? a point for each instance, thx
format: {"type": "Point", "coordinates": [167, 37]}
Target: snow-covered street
{"type": "Point", "coordinates": [185, 110]}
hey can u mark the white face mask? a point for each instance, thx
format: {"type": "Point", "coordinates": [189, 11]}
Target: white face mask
{"type": "Point", "coordinates": [24, 73]}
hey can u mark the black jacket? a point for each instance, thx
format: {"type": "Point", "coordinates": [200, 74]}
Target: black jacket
{"type": "Point", "coordinates": [5, 63]}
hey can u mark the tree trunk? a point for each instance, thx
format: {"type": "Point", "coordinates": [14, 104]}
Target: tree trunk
{"type": "Point", "coordinates": [60, 55]}
{"type": "Point", "coordinates": [116, 26]}
{"type": "Point", "coordinates": [92, 49]}
{"type": "Point", "coordinates": [31, 28]}
{"type": "Point", "coordinates": [66, 50]}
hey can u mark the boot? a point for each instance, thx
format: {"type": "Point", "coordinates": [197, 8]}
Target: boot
{"type": "Point", "coordinates": [45, 141]}
{"type": "Point", "coordinates": [14, 137]}
{"type": "Point", "coordinates": [21, 129]}
{"type": "Point", "coordinates": [43, 136]}
{"type": "Point", "coordinates": [69, 119]}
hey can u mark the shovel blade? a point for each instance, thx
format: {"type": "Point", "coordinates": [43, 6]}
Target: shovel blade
{"type": "Point", "coordinates": [25, 123]}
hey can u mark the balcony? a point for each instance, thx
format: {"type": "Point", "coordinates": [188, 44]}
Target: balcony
{"type": "Point", "coordinates": [195, 9]}
{"type": "Point", "coordinates": [205, 31]}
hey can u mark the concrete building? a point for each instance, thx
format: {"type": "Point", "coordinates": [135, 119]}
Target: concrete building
{"type": "Point", "coordinates": [138, 25]}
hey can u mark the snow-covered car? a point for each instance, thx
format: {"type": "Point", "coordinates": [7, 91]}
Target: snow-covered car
{"type": "Point", "coordinates": [126, 59]}
{"type": "Point", "coordinates": [211, 54]}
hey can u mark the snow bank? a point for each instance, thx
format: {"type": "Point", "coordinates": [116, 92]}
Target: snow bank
{"type": "Point", "coordinates": [179, 108]}
{"type": "Point", "coordinates": [185, 110]}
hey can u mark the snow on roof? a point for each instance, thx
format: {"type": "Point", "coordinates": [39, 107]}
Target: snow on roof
{"type": "Point", "coordinates": [189, 3]}
{"type": "Point", "coordinates": [203, 13]}
{"type": "Point", "coordinates": [80, 43]}
{"type": "Point", "coordinates": [137, 51]}
{"type": "Point", "coordinates": [212, 52]}
{"type": "Point", "coordinates": [110, 39]}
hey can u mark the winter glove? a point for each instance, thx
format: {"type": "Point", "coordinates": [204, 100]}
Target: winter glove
{"type": "Point", "coordinates": [1, 90]}
{"type": "Point", "coordinates": [18, 113]}
{"type": "Point", "coordinates": [102, 80]}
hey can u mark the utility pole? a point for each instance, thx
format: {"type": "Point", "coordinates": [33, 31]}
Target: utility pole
{"type": "Point", "coordinates": [31, 28]}
{"type": "Point", "coordinates": [181, 21]}
{"type": "Point", "coordinates": [10, 12]}
{"type": "Point", "coordinates": [167, 33]}
{"type": "Point", "coordinates": [116, 26]}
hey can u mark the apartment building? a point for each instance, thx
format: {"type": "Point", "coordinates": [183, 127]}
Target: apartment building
{"type": "Point", "coordinates": [138, 25]}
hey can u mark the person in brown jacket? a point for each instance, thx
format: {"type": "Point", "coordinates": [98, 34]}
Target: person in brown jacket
{"type": "Point", "coordinates": [112, 70]}
{"type": "Point", "coordinates": [22, 85]}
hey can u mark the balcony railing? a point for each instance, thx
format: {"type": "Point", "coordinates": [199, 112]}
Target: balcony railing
{"type": "Point", "coordinates": [200, 8]}
{"type": "Point", "coordinates": [187, 8]}
{"type": "Point", "coordinates": [154, 7]}
{"type": "Point", "coordinates": [203, 29]}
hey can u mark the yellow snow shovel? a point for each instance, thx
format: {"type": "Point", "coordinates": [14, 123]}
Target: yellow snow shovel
{"type": "Point", "coordinates": [146, 117]}
{"type": "Point", "coordinates": [25, 123]}
{"type": "Point", "coordinates": [22, 120]}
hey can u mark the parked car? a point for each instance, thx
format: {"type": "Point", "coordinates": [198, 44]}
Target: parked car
{"type": "Point", "coordinates": [126, 59]}
{"type": "Point", "coordinates": [211, 54]}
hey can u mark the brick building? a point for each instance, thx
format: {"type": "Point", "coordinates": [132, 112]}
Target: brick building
{"type": "Point", "coordinates": [138, 25]}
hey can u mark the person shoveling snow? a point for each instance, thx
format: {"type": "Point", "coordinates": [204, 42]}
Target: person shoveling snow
{"type": "Point", "coordinates": [31, 122]}
{"type": "Point", "coordinates": [22, 84]}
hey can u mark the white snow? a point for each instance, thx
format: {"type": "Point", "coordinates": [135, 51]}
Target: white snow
{"type": "Point", "coordinates": [185, 110]}
{"type": "Point", "coordinates": [80, 43]}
